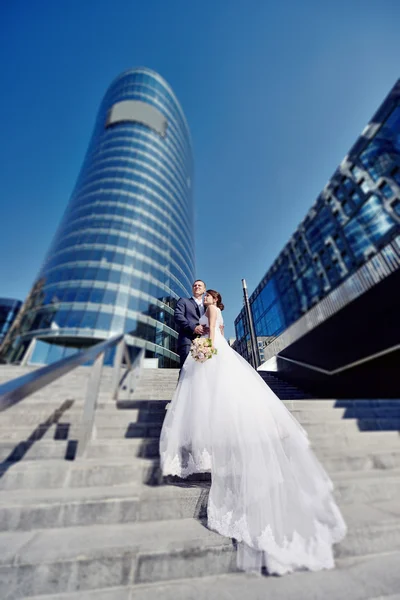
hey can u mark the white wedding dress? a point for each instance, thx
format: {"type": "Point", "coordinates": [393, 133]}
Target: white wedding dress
{"type": "Point", "coordinates": [268, 490]}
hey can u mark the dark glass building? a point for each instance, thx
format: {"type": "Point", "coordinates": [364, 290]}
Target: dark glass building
{"type": "Point", "coordinates": [328, 306]}
{"type": "Point", "coordinates": [9, 308]}
{"type": "Point", "coordinates": [124, 251]}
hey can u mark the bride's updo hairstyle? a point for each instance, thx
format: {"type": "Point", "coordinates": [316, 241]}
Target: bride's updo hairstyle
{"type": "Point", "coordinates": [217, 296]}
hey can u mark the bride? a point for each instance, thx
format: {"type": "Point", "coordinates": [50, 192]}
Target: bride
{"type": "Point", "coordinates": [268, 490]}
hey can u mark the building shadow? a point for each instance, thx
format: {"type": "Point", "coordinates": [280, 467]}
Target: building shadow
{"type": "Point", "coordinates": [372, 415]}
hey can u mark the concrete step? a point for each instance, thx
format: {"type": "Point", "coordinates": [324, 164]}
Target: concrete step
{"type": "Point", "coordinates": [364, 460]}
{"type": "Point", "coordinates": [312, 405]}
{"type": "Point", "coordinates": [113, 593]}
{"type": "Point", "coordinates": [116, 470]}
{"type": "Point", "coordinates": [59, 384]}
{"type": "Point", "coordinates": [289, 395]}
{"type": "Point", "coordinates": [111, 424]}
{"type": "Point", "coordinates": [49, 398]}
{"type": "Point", "coordinates": [364, 486]}
{"type": "Point", "coordinates": [335, 458]}
{"type": "Point", "coordinates": [351, 425]}
{"type": "Point", "coordinates": [72, 507]}
{"type": "Point", "coordinates": [344, 431]}
{"type": "Point", "coordinates": [127, 448]}
{"type": "Point", "coordinates": [62, 473]}
{"type": "Point", "coordinates": [109, 414]}
{"type": "Point", "coordinates": [107, 370]}
{"type": "Point", "coordinates": [340, 433]}
{"type": "Point", "coordinates": [345, 404]}
{"type": "Point", "coordinates": [12, 451]}
{"type": "Point", "coordinates": [333, 433]}
{"type": "Point", "coordinates": [354, 440]}
{"type": "Point", "coordinates": [279, 389]}
{"type": "Point", "coordinates": [50, 432]}
{"type": "Point", "coordinates": [147, 376]}
{"type": "Point", "coordinates": [152, 418]}
{"type": "Point", "coordinates": [156, 384]}
{"type": "Point", "coordinates": [322, 415]}
{"type": "Point", "coordinates": [125, 411]}
{"type": "Point", "coordinates": [60, 560]}
{"type": "Point", "coordinates": [374, 577]}
{"type": "Point", "coordinates": [67, 430]}
{"type": "Point", "coordinates": [282, 387]}
{"type": "Point", "coordinates": [100, 556]}
{"type": "Point", "coordinates": [99, 504]}
{"type": "Point", "coordinates": [319, 410]}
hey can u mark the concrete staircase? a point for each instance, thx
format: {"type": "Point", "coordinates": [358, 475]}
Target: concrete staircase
{"type": "Point", "coordinates": [283, 389]}
{"type": "Point", "coordinates": [105, 527]}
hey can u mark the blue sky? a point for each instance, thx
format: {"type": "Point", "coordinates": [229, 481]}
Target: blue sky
{"type": "Point", "coordinates": [275, 94]}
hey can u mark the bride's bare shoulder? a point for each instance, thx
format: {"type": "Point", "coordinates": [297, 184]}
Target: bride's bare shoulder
{"type": "Point", "coordinates": [212, 309]}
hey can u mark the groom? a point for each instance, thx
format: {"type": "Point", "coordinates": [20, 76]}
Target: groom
{"type": "Point", "coordinates": [187, 315]}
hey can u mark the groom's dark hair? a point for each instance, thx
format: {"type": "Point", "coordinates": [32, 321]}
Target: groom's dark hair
{"type": "Point", "coordinates": [196, 280]}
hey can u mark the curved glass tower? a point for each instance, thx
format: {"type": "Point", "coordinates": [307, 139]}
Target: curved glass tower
{"type": "Point", "coordinates": [124, 251]}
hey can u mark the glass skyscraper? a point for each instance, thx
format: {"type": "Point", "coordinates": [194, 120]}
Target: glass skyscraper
{"type": "Point", "coordinates": [348, 243]}
{"type": "Point", "coordinates": [124, 251]}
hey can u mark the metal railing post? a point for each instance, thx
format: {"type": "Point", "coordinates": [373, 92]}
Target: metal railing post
{"type": "Point", "coordinates": [117, 368]}
{"type": "Point", "coordinates": [89, 408]}
{"type": "Point", "coordinates": [253, 339]}
{"type": "Point", "coordinates": [135, 370]}
{"type": "Point", "coordinates": [28, 353]}
{"type": "Point", "coordinates": [127, 357]}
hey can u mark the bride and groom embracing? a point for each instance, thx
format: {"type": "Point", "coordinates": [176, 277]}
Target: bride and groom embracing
{"type": "Point", "coordinates": [268, 490]}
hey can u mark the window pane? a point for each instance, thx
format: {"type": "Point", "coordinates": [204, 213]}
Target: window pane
{"type": "Point", "coordinates": [104, 321]}
{"type": "Point", "coordinates": [74, 319]}
{"type": "Point", "coordinates": [110, 297]}
{"type": "Point", "coordinates": [89, 320]}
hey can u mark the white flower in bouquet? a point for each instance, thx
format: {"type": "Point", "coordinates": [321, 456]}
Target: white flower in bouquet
{"type": "Point", "coordinates": [202, 349]}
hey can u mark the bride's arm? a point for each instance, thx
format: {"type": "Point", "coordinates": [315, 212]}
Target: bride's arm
{"type": "Point", "coordinates": [211, 314]}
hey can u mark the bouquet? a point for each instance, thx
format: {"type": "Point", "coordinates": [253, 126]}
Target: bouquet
{"type": "Point", "coordinates": [202, 349]}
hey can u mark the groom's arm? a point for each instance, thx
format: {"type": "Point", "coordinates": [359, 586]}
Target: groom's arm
{"type": "Point", "coordinates": [181, 319]}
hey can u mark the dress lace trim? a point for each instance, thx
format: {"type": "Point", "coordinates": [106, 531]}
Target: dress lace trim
{"type": "Point", "coordinates": [285, 556]}
{"type": "Point", "coordinates": [174, 465]}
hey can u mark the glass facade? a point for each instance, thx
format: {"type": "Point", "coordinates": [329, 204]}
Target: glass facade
{"type": "Point", "coordinates": [8, 311]}
{"type": "Point", "coordinates": [356, 216]}
{"type": "Point", "coordinates": [124, 251]}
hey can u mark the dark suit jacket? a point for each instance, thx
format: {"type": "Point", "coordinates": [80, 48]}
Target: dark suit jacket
{"type": "Point", "coordinates": [187, 315]}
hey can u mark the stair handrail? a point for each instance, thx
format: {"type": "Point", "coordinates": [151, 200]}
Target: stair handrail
{"type": "Point", "coordinates": [14, 391]}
